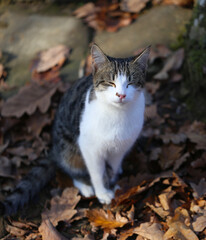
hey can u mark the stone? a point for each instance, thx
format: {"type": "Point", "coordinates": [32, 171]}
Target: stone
{"type": "Point", "coordinates": [160, 24]}
{"type": "Point", "coordinates": [22, 36]}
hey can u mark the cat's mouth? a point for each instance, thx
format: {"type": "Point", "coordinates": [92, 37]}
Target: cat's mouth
{"type": "Point", "coordinates": [120, 102]}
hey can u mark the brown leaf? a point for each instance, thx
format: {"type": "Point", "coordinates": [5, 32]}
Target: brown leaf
{"type": "Point", "coordinates": [49, 232]}
{"type": "Point", "coordinates": [150, 231]}
{"type": "Point", "coordinates": [200, 189]}
{"type": "Point", "coordinates": [125, 198]}
{"type": "Point", "coordinates": [200, 162]}
{"type": "Point", "coordinates": [169, 154]}
{"type": "Point", "coordinates": [152, 87]}
{"type": "Point", "coordinates": [134, 6]}
{"type": "Point", "coordinates": [85, 10]}
{"type": "Point", "coordinates": [180, 161]}
{"type": "Point", "coordinates": [49, 58]}
{"type": "Point", "coordinates": [15, 230]}
{"type": "Point", "coordinates": [3, 147]}
{"type": "Point", "coordinates": [178, 229]}
{"type": "Point", "coordinates": [166, 197]}
{"type": "Point", "coordinates": [160, 51]}
{"type": "Point", "coordinates": [105, 220]}
{"type": "Point", "coordinates": [37, 122]}
{"type": "Point", "coordinates": [86, 237]}
{"type": "Point", "coordinates": [62, 208]}
{"type": "Point", "coordinates": [179, 2]}
{"type": "Point", "coordinates": [29, 98]}
{"type": "Point", "coordinates": [199, 224]}
{"type": "Point", "coordinates": [200, 140]}
{"type": "Point", "coordinates": [6, 167]}
{"type": "Point", "coordinates": [173, 63]}
{"type": "Point", "coordinates": [20, 151]}
{"type": "Point", "coordinates": [1, 70]}
{"type": "Point", "coordinates": [151, 111]}
{"type": "Point", "coordinates": [158, 210]}
{"type": "Point", "coordinates": [175, 138]}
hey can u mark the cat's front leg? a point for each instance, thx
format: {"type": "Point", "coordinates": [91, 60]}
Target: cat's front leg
{"type": "Point", "coordinates": [96, 168]}
{"type": "Point", "coordinates": [115, 161]}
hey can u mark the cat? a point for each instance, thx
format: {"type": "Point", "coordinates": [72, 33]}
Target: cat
{"type": "Point", "coordinates": [97, 122]}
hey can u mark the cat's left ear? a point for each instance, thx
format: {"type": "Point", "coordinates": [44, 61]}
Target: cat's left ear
{"type": "Point", "coordinates": [99, 59]}
{"type": "Point", "coordinates": [142, 58]}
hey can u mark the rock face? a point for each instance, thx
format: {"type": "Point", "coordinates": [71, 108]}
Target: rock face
{"type": "Point", "coordinates": [23, 35]}
{"type": "Point", "coordinates": [161, 24]}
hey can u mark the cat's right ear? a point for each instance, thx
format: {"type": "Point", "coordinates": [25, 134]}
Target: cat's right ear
{"type": "Point", "coordinates": [99, 59]}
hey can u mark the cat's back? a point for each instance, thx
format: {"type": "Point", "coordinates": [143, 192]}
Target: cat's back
{"type": "Point", "coordinates": [68, 115]}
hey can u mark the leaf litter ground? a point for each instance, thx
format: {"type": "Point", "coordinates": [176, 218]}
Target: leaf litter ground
{"type": "Point", "coordinates": [162, 188]}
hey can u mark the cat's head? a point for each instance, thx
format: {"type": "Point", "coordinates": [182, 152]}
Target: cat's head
{"type": "Point", "coordinates": [118, 80]}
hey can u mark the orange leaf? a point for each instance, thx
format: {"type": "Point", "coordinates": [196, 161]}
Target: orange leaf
{"type": "Point", "coordinates": [105, 220]}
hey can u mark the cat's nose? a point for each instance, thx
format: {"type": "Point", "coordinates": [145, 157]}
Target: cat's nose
{"type": "Point", "coordinates": [121, 96]}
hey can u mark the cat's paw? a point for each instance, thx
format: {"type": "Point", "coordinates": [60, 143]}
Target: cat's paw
{"type": "Point", "coordinates": [86, 190]}
{"type": "Point", "coordinates": [105, 197]}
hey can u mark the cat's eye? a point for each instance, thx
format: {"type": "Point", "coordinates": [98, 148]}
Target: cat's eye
{"type": "Point", "coordinates": [112, 84]}
{"type": "Point", "coordinates": [129, 84]}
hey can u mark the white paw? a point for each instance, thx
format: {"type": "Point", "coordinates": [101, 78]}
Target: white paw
{"type": "Point", "coordinates": [85, 190]}
{"type": "Point", "coordinates": [105, 197]}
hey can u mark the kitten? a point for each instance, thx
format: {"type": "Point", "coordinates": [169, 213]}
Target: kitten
{"type": "Point", "coordinates": [97, 122]}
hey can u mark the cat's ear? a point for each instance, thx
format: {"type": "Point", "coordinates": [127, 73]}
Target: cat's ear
{"type": "Point", "coordinates": [142, 58]}
{"type": "Point", "coordinates": [98, 58]}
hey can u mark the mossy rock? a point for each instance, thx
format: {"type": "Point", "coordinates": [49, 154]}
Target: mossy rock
{"type": "Point", "coordinates": [195, 77]}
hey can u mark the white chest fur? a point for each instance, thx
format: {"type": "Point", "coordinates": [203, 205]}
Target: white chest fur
{"type": "Point", "coordinates": [109, 128]}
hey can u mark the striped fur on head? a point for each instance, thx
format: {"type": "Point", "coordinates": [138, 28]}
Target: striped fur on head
{"type": "Point", "coordinates": [106, 68]}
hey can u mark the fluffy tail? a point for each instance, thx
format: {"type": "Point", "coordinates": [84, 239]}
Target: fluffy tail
{"type": "Point", "coordinates": [28, 187]}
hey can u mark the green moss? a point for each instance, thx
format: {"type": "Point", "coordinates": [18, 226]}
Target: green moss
{"type": "Point", "coordinates": [195, 59]}
{"type": "Point", "coordinates": [180, 41]}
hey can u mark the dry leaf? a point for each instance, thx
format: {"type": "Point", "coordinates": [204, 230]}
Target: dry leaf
{"type": "Point", "coordinates": [200, 189]}
{"type": "Point", "coordinates": [179, 2]}
{"type": "Point", "coordinates": [200, 162]}
{"type": "Point", "coordinates": [134, 6]}
{"type": "Point", "coordinates": [85, 10]}
{"type": "Point", "coordinates": [169, 154]}
{"type": "Point", "coordinates": [49, 58]}
{"type": "Point", "coordinates": [173, 63]}
{"type": "Point", "coordinates": [105, 220]}
{"type": "Point", "coordinates": [180, 161]}
{"type": "Point", "coordinates": [159, 210]}
{"type": "Point", "coordinates": [62, 208]}
{"type": "Point", "coordinates": [151, 111]}
{"type": "Point", "coordinates": [197, 138]}
{"type": "Point", "coordinates": [178, 229]}
{"type": "Point", "coordinates": [49, 232]}
{"type": "Point", "coordinates": [104, 16]}
{"type": "Point", "coordinates": [152, 231]}
{"type": "Point", "coordinates": [1, 70]}
{"type": "Point", "coordinates": [86, 237]}
{"type": "Point", "coordinates": [166, 197]}
{"type": "Point", "coordinates": [152, 87]}
{"type": "Point", "coordinates": [199, 224]}
{"type": "Point", "coordinates": [160, 51]}
{"type": "Point", "coordinates": [37, 122]}
{"type": "Point", "coordinates": [15, 231]}
{"type": "Point", "coordinates": [175, 138]}
{"type": "Point", "coordinates": [6, 167]}
{"type": "Point", "coordinates": [29, 98]}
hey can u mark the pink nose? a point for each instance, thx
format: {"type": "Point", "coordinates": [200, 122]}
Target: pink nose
{"type": "Point", "coordinates": [121, 96]}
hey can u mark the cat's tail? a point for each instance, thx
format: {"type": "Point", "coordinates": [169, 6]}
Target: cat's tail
{"type": "Point", "coordinates": [28, 187]}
